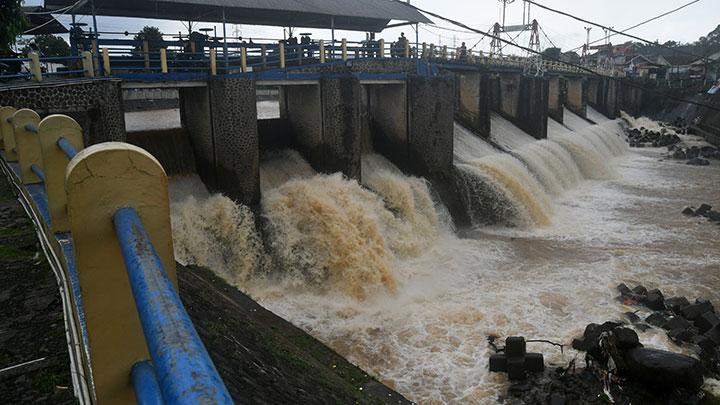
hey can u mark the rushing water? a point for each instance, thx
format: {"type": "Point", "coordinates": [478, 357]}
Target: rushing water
{"type": "Point", "coordinates": [374, 270]}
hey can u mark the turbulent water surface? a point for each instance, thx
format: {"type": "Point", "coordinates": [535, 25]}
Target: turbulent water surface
{"type": "Point", "coordinates": [375, 270]}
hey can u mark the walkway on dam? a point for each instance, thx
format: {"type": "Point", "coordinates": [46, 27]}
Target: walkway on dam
{"type": "Point", "coordinates": [34, 362]}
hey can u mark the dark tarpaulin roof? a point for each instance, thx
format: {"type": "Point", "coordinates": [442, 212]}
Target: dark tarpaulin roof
{"type": "Point", "coordinates": [358, 15]}
{"type": "Point", "coordinates": [42, 23]}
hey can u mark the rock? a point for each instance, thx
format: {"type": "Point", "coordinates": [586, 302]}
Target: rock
{"type": "Point", "coordinates": [707, 321]}
{"type": "Point", "coordinates": [654, 300]}
{"type": "Point", "coordinates": [697, 161]}
{"type": "Point", "coordinates": [624, 290]}
{"type": "Point", "coordinates": [556, 399]}
{"type": "Point", "coordinates": [706, 303]}
{"type": "Point", "coordinates": [714, 335]}
{"type": "Point", "coordinates": [515, 347]}
{"type": "Point", "coordinates": [626, 338]}
{"type": "Point", "coordinates": [713, 216]}
{"type": "Point", "coordinates": [640, 290]}
{"type": "Point", "coordinates": [534, 362]}
{"type": "Point", "coordinates": [688, 211]}
{"type": "Point", "coordinates": [681, 335]}
{"type": "Point", "coordinates": [656, 319]}
{"type": "Point", "coordinates": [516, 368]}
{"type": "Point", "coordinates": [693, 312]}
{"type": "Point", "coordinates": [498, 363]}
{"type": "Point", "coordinates": [703, 210]}
{"type": "Point", "coordinates": [705, 343]}
{"type": "Point", "coordinates": [676, 322]}
{"type": "Point", "coordinates": [664, 370]}
{"type": "Point", "coordinates": [676, 304]}
{"type": "Point", "coordinates": [632, 317]}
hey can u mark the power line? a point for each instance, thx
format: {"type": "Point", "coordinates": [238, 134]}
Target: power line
{"type": "Point", "coordinates": [611, 29]}
{"type": "Point", "coordinates": [548, 38]}
{"type": "Point", "coordinates": [657, 17]}
{"type": "Point", "coordinates": [583, 68]}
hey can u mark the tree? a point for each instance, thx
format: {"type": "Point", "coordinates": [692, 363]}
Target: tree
{"type": "Point", "coordinates": [13, 23]}
{"type": "Point", "coordinates": [48, 45]}
{"type": "Point", "coordinates": [148, 33]}
{"type": "Point", "coordinates": [551, 53]}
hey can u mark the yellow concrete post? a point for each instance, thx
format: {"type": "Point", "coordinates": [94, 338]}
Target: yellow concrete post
{"type": "Point", "coordinates": [50, 129]}
{"type": "Point", "coordinates": [407, 48]}
{"type": "Point", "coordinates": [146, 53]}
{"type": "Point", "coordinates": [431, 52]}
{"type": "Point", "coordinates": [88, 64]}
{"type": "Point", "coordinates": [163, 60]}
{"type": "Point", "coordinates": [213, 62]}
{"type": "Point", "coordinates": [424, 51]}
{"type": "Point", "coordinates": [106, 61]}
{"type": "Point", "coordinates": [445, 53]}
{"type": "Point", "coordinates": [243, 59]}
{"type": "Point", "coordinates": [381, 45]}
{"type": "Point", "coordinates": [35, 67]}
{"type": "Point", "coordinates": [27, 144]}
{"type": "Point", "coordinates": [100, 180]}
{"type": "Point", "coordinates": [282, 54]}
{"type": "Point", "coordinates": [322, 51]}
{"type": "Point", "coordinates": [7, 134]}
{"type": "Point", "coordinates": [343, 47]}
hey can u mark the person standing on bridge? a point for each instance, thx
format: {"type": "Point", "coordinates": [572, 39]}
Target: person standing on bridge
{"type": "Point", "coordinates": [462, 54]}
{"type": "Point", "coordinates": [401, 45]}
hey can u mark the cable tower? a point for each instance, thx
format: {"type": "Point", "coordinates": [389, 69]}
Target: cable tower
{"type": "Point", "coordinates": [533, 64]}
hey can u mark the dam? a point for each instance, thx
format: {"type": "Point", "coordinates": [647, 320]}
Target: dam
{"type": "Point", "coordinates": [336, 221]}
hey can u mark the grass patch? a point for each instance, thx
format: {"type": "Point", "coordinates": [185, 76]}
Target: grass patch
{"type": "Point", "coordinates": [7, 252]}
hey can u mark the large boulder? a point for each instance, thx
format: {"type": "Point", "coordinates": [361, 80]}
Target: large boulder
{"type": "Point", "coordinates": [664, 370]}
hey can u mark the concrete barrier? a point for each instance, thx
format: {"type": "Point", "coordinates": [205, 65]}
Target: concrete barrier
{"type": "Point", "coordinates": [523, 100]}
{"type": "Point", "coordinates": [557, 96]}
{"type": "Point", "coordinates": [577, 96]}
{"type": "Point", "coordinates": [473, 101]}
{"type": "Point", "coordinates": [51, 130]}
{"type": "Point", "coordinates": [100, 180]}
{"type": "Point", "coordinates": [7, 133]}
{"type": "Point", "coordinates": [27, 145]}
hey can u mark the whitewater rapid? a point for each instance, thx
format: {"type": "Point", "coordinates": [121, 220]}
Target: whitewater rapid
{"type": "Point", "coordinates": [374, 270]}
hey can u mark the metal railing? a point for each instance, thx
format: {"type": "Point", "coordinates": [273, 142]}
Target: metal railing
{"type": "Point", "coordinates": [179, 370]}
{"type": "Point", "coordinates": [37, 68]}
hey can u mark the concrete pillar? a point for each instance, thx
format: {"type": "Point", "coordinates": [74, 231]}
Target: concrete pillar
{"type": "Point", "coordinates": [523, 100]}
{"type": "Point", "coordinates": [577, 96]}
{"type": "Point", "coordinates": [608, 98]}
{"type": "Point", "coordinates": [234, 122]}
{"type": "Point", "coordinates": [630, 98]}
{"type": "Point", "coordinates": [431, 118]}
{"type": "Point", "coordinates": [388, 112]}
{"type": "Point", "coordinates": [557, 94]}
{"type": "Point", "coordinates": [325, 121]}
{"type": "Point", "coordinates": [195, 114]}
{"type": "Point", "coordinates": [100, 180]}
{"type": "Point", "coordinates": [221, 120]}
{"type": "Point", "coordinates": [430, 139]}
{"type": "Point", "coordinates": [473, 102]}
{"type": "Point", "coordinates": [594, 92]}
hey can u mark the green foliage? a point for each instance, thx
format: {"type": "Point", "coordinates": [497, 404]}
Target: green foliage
{"type": "Point", "coordinates": [148, 33]}
{"type": "Point", "coordinates": [13, 23]}
{"type": "Point", "coordinates": [551, 53]}
{"type": "Point", "coordinates": [49, 45]}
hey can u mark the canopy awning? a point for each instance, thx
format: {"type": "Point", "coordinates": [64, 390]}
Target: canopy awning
{"type": "Point", "coordinates": [41, 22]}
{"type": "Point", "coordinates": [355, 15]}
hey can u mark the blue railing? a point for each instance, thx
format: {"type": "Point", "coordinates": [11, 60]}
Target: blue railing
{"type": "Point", "coordinates": [183, 368]}
{"type": "Point", "coordinates": [179, 370]}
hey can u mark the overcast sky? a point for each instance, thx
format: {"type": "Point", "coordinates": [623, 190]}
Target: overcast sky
{"type": "Point", "coordinates": [686, 25]}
